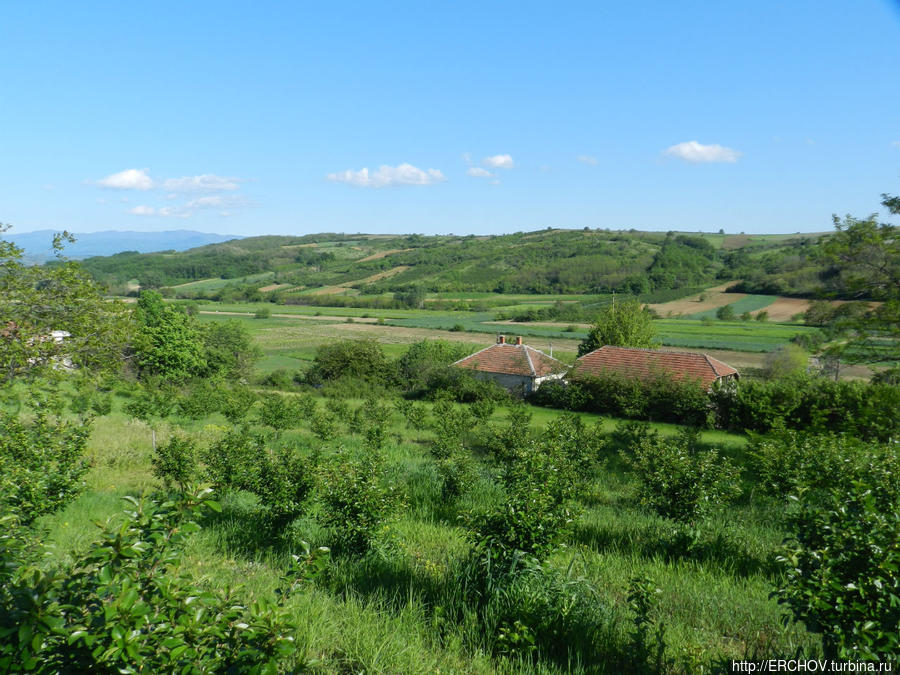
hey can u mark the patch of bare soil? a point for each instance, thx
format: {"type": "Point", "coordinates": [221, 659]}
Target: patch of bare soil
{"type": "Point", "coordinates": [383, 254]}
{"type": "Point", "coordinates": [712, 299]}
{"type": "Point", "coordinates": [735, 241]}
{"type": "Point", "coordinates": [394, 271]}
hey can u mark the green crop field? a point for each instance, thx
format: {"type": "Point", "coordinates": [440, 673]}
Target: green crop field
{"type": "Point", "coordinates": [750, 303]}
{"type": "Point", "coordinates": [741, 336]}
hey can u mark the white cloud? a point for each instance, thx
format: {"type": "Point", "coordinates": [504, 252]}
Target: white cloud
{"type": "Point", "coordinates": [205, 203]}
{"type": "Point", "coordinates": [204, 183]}
{"type": "Point", "coordinates": [142, 211]}
{"type": "Point", "coordinates": [130, 179]}
{"type": "Point", "coordinates": [478, 172]}
{"type": "Point", "coordinates": [499, 162]}
{"type": "Point", "coordinates": [587, 159]}
{"type": "Point", "coordinates": [387, 176]}
{"type": "Point", "coordinates": [695, 152]}
{"type": "Point", "coordinates": [174, 212]}
{"type": "Point", "coordinates": [217, 202]}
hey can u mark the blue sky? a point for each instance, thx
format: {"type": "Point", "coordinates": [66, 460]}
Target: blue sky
{"type": "Point", "coordinates": [259, 118]}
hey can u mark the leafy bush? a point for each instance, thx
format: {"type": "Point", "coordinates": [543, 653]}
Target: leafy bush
{"type": "Point", "coordinates": [282, 379]}
{"type": "Point", "coordinates": [354, 502]}
{"type": "Point", "coordinates": [621, 324]}
{"type": "Point", "coordinates": [415, 414]}
{"type": "Point", "coordinates": [150, 402]}
{"type": "Point", "coordinates": [503, 441]}
{"type": "Point", "coordinates": [462, 386]}
{"type": "Point", "coordinates": [42, 463]}
{"type": "Point", "coordinates": [176, 462]}
{"type": "Point", "coordinates": [579, 445]}
{"type": "Point", "coordinates": [281, 477]}
{"type": "Point", "coordinates": [123, 607]}
{"type": "Point", "coordinates": [786, 361]}
{"type": "Point", "coordinates": [200, 400]}
{"type": "Point", "coordinates": [324, 425]}
{"type": "Point", "coordinates": [725, 313]}
{"type": "Point", "coordinates": [423, 358]}
{"type": "Point", "coordinates": [538, 482]}
{"type": "Point", "coordinates": [168, 341]}
{"type": "Point", "coordinates": [235, 403]}
{"type": "Point", "coordinates": [813, 404]}
{"type": "Point", "coordinates": [280, 412]}
{"type": "Point", "coordinates": [659, 397]}
{"type": "Point", "coordinates": [455, 464]}
{"type": "Point", "coordinates": [841, 572]}
{"type": "Point", "coordinates": [789, 462]}
{"type": "Point", "coordinates": [228, 350]}
{"type": "Point", "coordinates": [679, 480]}
{"type": "Point", "coordinates": [363, 359]}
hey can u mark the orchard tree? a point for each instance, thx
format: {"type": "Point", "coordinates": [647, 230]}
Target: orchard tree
{"type": "Point", "coordinates": [786, 361]}
{"type": "Point", "coordinates": [864, 258]}
{"type": "Point", "coordinates": [620, 324]}
{"type": "Point", "coordinates": [36, 300]}
{"type": "Point", "coordinates": [168, 342]}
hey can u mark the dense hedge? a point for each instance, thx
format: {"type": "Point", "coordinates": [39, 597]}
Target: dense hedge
{"type": "Point", "coordinates": [814, 404]}
{"type": "Point", "coordinates": [659, 399]}
{"type": "Point", "coordinates": [865, 410]}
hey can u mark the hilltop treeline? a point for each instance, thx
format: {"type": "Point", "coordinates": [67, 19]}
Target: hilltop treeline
{"type": "Point", "coordinates": [548, 261]}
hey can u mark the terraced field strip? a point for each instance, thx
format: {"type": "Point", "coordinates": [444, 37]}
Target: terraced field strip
{"type": "Point", "coordinates": [275, 287]}
{"type": "Point", "coordinates": [711, 301]}
{"type": "Point", "coordinates": [216, 283]}
{"type": "Point", "coordinates": [383, 254]}
{"type": "Point", "coordinates": [386, 274]}
{"type": "Point", "coordinates": [310, 310]}
{"type": "Point", "coordinates": [739, 336]}
{"type": "Point", "coordinates": [741, 303]}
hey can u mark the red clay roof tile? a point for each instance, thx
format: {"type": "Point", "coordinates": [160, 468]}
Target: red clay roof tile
{"type": "Point", "coordinates": [646, 362]}
{"type": "Point", "coordinates": [513, 360]}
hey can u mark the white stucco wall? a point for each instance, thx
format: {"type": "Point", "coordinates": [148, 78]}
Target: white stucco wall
{"type": "Point", "coordinates": [517, 384]}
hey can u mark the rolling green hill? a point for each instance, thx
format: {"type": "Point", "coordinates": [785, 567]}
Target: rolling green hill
{"type": "Point", "coordinates": [542, 262]}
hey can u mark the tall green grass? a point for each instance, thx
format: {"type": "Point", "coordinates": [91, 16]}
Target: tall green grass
{"type": "Point", "coordinates": [405, 607]}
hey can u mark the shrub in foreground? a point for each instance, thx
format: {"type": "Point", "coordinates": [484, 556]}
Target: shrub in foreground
{"type": "Point", "coordinates": [538, 481]}
{"type": "Point", "coordinates": [678, 479]}
{"type": "Point", "coordinates": [123, 607]}
{"type": "Point", "coordinates": [42, 463]}
{"type": "Point", "coordinates": [790, 461]}
{"type": "Point", "coordinates": [842, 572]}
{"type": "Point", "coordinates": [354, 502]}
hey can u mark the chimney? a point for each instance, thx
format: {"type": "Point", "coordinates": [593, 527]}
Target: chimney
{"type": "Point", "coordinates": [501, 339]}
{"type": "Point", "coordinates": [519, 340]}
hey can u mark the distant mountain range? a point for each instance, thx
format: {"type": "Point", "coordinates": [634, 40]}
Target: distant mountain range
{"type": "Point", "coordinates": [37, 245]}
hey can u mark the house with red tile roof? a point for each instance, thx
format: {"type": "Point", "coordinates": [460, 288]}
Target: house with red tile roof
{"type": "Point", "coordinates": [516, 367]}
{"type": "Point", "coordinates": [647, 363]}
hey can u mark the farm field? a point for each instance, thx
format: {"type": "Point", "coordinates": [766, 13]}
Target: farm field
{"type": "Point", "coordinates": [733, 336]}
{"type": "Point", "coordinates": [291, 343]}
